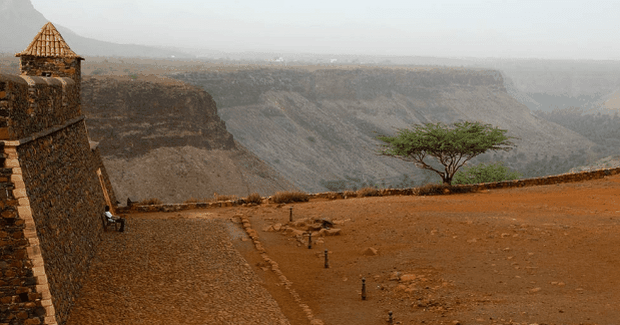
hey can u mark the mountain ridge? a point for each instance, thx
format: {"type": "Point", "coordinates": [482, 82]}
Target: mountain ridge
{"type": "Point", "coordinates": [20, 22]}
{"type": "Point", "coordinates": [319, 128]}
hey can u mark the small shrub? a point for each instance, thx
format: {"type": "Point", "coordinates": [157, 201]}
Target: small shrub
{"type": "Point", "coordinates": [349, 194]}
{"type": "Point", "coordinates": [151, 201]}
{"type": "Point", "coordinates": [367, 191]}
{"type": "Point", "coordinates": [289, 197]}
{"type": "Point", "coordinates": [485, 173]}
{"type": "Point", "coordinates": [254, 198]}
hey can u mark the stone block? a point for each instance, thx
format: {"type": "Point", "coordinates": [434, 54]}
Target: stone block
{"type": "Point", "coordinates": [30, 231]}
{"type": "Point", "coordinates": [42, 281]}
{"type": "Point", "coordinates": [11, 151]}
{"type": "Point", "coordinates": [39, 270]}
{"type": "Point", "coordinates": [50, 320]}
{"type": "Point", "coordinates": [37, 261]}
{"type": "Point", "coordinates": [11, 162]}
{"type": "Point", "coordinates": [49, 310]}
{"type": "Point", "coordinates": [20, 193]}
{"type": "Point", "coordinates": [45, 294]}
{"type": "Point", "coordinates": [46, 303]}
{"type": "Point", "coordinates": [33, 250]}
{"type": "Point", "coordinates": [24, 211]}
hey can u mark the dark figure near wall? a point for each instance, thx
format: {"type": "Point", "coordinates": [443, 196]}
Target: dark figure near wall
{"type": "Point", "coordinates": [112, 218]}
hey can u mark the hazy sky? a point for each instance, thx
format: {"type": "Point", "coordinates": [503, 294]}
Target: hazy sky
{"type": "Point", "coordinates": [516, 29]}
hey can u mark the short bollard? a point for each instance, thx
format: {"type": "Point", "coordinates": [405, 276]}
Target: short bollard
{"type": "Point", "coordinates": [290, 215]}
{"type": "Point", "coordinates": [309, 240]}
{"type": "Point", "coordinates": [390, 319]}
{"type": "Point", "coordinates": [326, 260]}
{"type": "Point", "coordinates": [363, 288]}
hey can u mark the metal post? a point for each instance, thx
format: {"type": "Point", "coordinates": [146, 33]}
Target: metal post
{"type": "Point", "coordinates": [326, 260]}
{"type": "Point", "coordinates": [363, 288]}
{"type": "Point", "coordinates": [309, 239]}
{"type": "Point", "coordinates": [290, 215]}
{"type": "Point", "coordinates": [390, 320]}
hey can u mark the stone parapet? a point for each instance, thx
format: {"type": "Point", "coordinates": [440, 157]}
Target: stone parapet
{"type": "Point", "coordinates": [30, 104]}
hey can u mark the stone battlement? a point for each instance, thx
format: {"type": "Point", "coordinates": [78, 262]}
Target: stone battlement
{"type": "Point", "coordinates": [30, 104]}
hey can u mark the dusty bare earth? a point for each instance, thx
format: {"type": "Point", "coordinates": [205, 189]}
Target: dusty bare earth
{"type": "Point", "coordinates": [537, 255]}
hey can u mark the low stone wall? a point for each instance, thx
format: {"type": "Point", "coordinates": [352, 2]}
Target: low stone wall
{"type": "Point", "coordinates": [66, 200]}
{"type": "Point", "coordinates": [31, 104]}
{"type": "Point", "coordinates": [546, 180]}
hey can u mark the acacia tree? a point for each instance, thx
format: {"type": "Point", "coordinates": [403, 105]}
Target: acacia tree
{"type": "Point", "coordinates": [452, 145]}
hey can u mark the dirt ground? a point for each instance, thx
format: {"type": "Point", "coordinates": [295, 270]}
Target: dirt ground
{"type": "Point", "coordinates": [536, 255]}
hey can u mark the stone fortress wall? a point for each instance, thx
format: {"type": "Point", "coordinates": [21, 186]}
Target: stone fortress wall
{"type": "Point", "coordinates": [53, 189]}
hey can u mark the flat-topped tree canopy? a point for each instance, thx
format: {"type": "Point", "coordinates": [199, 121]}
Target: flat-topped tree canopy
{"type": "Point", "coordinates": [49, 43]}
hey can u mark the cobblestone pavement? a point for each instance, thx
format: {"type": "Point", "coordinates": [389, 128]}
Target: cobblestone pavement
{"type": "Point", "coordinates": [182, 271]}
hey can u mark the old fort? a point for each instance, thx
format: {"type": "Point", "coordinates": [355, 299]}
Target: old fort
{"type": "Point", "coordinates": [53, 185]}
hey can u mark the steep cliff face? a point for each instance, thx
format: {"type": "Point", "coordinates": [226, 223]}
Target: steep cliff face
{"type": "Point", "coordinates": [318, 128]}
{"type": "Point", "coordinates": [162, 138]}
{"type": "Point", "coordinates": [134, 116]}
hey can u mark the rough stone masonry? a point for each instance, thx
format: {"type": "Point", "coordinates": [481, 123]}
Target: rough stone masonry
{"type": "Point", "coordinates": [53, 185]}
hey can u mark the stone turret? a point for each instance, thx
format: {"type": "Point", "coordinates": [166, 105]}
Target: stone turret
{"type": "Point", "coordinates": [48, 55]}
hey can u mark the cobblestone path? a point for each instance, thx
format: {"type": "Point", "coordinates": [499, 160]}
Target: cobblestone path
{"type": "Point", "coordinates": [182, 271]}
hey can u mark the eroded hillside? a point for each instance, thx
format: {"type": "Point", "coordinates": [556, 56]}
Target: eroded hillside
{"type": "Point", "coordinates": [318, 127]}
{"type": "Point", "coordinates": [163, 139]}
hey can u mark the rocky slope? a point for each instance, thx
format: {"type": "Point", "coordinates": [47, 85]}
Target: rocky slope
{"type": "Point", "coordinates": [161, 138]}
{"type": "Point", "coordinates": [318, 126]}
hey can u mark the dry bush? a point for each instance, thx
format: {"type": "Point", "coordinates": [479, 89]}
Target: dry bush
{"type": "Point", "coordinates": [367, 191]}
{"type": "Point", "coordinates": [151, 201]}
{"type": "Point", "coordinates": [349, 194]}
{"type": "Point", "coordinates": [254, 198]}
{"type": "Point", "coordinates": [289, 197]}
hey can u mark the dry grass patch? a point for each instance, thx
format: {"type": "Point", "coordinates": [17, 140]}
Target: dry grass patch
{"type": "Point", "coordinates": [367, 191]}
{"type": "Point", "coordinates": [254, 198]}
{"type": "Point", "coordinates": [289, 197]}
{"type": "Point", "coordinates": [349, 194]}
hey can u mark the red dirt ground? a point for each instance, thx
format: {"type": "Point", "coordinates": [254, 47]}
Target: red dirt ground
{"type": "Point", "coordinates": [536, 255]}
{"type": "Point", "coordinates": [547, 254]}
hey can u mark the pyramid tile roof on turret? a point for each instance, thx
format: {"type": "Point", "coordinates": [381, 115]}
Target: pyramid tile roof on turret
{"type": "Point", "coordinates": [49, 43]}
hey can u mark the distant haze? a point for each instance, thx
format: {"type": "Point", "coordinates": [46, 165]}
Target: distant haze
{"type": "Point", "coordinates": [509, 29]}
